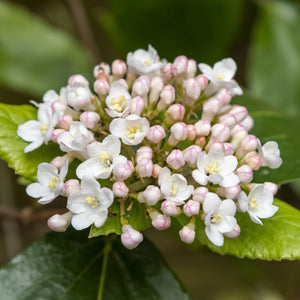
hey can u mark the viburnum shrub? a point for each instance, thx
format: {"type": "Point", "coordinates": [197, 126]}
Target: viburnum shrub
{"type": "Point", "coordinates": [153, 140]}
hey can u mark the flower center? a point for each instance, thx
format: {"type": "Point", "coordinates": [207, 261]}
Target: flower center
{"type": "Point", "coordinates": [92, 201]}
{"type": "Point", "coordinates": [216, 218]}
{"type": "Point", "coordinates": [132, 131]}
{"type": "Point", "coordinates": [173, 188]}
{"type": "Point", "coordinates": [212, 168]}
{"type": "Point", "coordinates": [253, 203]}
{"type": "Point", "coordinates": [118, 103]}
{"type": "Point", "coordinates": [106, 159]}
{"type": "Point", "coordinates": [220, 77]}
{"type": "Point", "coordinates": [43, 128]}
{"type": "Point", "coordinates": [147, 63]}
{"type": "Point", "coordinates": [53, 184]}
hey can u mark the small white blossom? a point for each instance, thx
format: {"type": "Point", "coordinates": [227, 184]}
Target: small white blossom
{"type": "Point", "coordinates": [216, 168]}
{"type": "Point", "coordinates": [131, 130]}
{"type": "Point", "coordinates": [90, 204]}
{"type": "Point", "coordinates": [258, 204]}
{"type": "Point", "coordinates": [143, 62]}
{"type": "Point", "coordinates": [174, 187]}
{"type": "Point", "coordinates": [79, 97]}
{"type": "Point", "coordinates": [39, 131]}
{"type": "Point", "coordinates": [50, 183]}
{"type": "Point", "coordinates": [218, 217]}
{"type": "Point", "coordinates": [118, 100]}
{"type": "Point", "coordinates": [102, 158]}
{"type": "Point", "coordinates": [270, 155]}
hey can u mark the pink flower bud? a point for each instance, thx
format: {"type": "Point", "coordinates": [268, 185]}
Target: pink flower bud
{"type": "Point", "coordinates": [119, 68]}
{"type": "Point", "coordinates": [156, 134]}
{"type": "Point", "coordinates": [187, 233]}
{"type": "Point", "coordinates": [220, 132]}
{"type": "Point", "coordinates": [156, 171]}
{"type": "Point", "coordinates": [234, 233]}
{"type": "Point", "coordinates": [141, 86]}
{"type": "Point", "coordinates": [210, 109]}
{"type": "Point", "coordinates": [191, 68]}
{"type": "Point", "coordinates": [144, 167]}
{"type": "Point", "coordinates": [191, 135]}
{"type": "Point", "coordinates": [175, 159]}
{"type": "Point", "coordinates": [203, 81]}
{"type": "Point", "coordinates": [143, 152]}
{"type": "Point", "coordinates": [60, 223]}
{"type": "Point", "coordinates": [101, 87]}
{"type": "Point", "coordinates": [58, 106]}
{"type": "Point", "coordinates": [101, 68]}
{"type": "Point", "coordinates": [254, 162]}
{"type": "Point", "coordinates": [123, 171]}
{"type": "Point", "coordinates": [191, 208]}
{"type": "Point", "coordinates": [248, 144]}
{"type": "Point", "coordinates": [203, 127]}
{"type": "Point", "coordinates": [78, 80]}
{"type": "Point", "coordinates": [248, 123]}
{"type": "Point", "coordinates": [191, 154]}
{"type": "Point", "coordinates": [58, 161]}
{"type": "Point", "coordinates": [65, 121]}
{"type": "Point", "coordinates": [90, 119]}
{"type": "Point", "coordinates": [70, 186]}
{"type": "Point", "coordinates": [200, 141]}
{"type": "Point", "coordinates": [244, 173]}
{"type": "Point", "coordinates": [137, 105]}
{"type": "Point", "coordinates": [151, 194]}
{"type": "Point", "coordinates": [176, 112]}
{"type": "Point", "coordinates": [228, 120]}
{"type": "Point", "coordinates": [231, 192]}
{"type": "Point", "coordinates": [228, 148]}
{"type": "Point", "coordinates": [178, 133]}
{"type": "Point", "coordinates": [224, 96]}
{"type": "Point", "coordinates": [120, 189]}
{"type": "Point", "coordinates": [192, 90]}
{"type": "Point", "coordinates": [237, 128]}
{"type": "Point", "coordinates": [167, 97]}
{"type": "Point", "coordinates": [170, 71]}
{"type": "Point", "coordinates": [160, 222]}
{"type": "Point", "coordinates": [169, 208]}
{"type": "Point", "coordinates": [216, 146]}
{"type": "Point", "coordinates": [240, 112]}
{"type": "Point", "coordinates": [156, 87]}
{"type": "Point", "coordinates": [199, 194]}
{"type": "Point", "coordinates": [238, 133]}
{"type": "Point", "coordinates": [130, 237]}
{"type": "Point", "coordinates": [272, 187]}
{"type": "Point", "coordinates": [181, 64]}
{"type": "Point", "coordinates": [55, 133]}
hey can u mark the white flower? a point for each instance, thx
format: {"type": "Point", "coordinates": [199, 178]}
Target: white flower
{"type": "Point", "coordinates": [131, 130]}
{"type": "Point", "coordinates": [270, 155]}
{"type": "Point", "coordinates": [102, 158]}
{"type": "Point", "coordinates": [90, 204]}
{"type": "Point", "coordinates": [218, 217]}
{"type": "Point", "coordinates": [76, 139]}
{"type": "Point", "coordinates": [38, 131]}
{"type": "Point", "coordinates": [50, 183]}
{"type": "Point", "coordinates": [216, 168]}
{"type": "Point", "coordinates": [258, 204]}
{"type": "Point", "coordinates": [174, 187]}
{"type": "Point", "coordinates": [143, 62]}
{"type": "Point", "coordinates": [79, 97]}
{"type": "Point", "coordinates": [118, 100]}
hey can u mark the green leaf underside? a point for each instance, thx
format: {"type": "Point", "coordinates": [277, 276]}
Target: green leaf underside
{"type": "Point", "coordinates": [278, 238]}
{"type": "Point", "coordinates": [12, 146]}
{"type": "Point", "coordinates": [68, 266]}
{"type": "Point", "coordinates": [35, 57]}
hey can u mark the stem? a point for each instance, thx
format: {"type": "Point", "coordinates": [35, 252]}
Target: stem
{"type": "Point", "coordinates": [107, 249]}
{"type": "Point", "coordinates": [123, 219]}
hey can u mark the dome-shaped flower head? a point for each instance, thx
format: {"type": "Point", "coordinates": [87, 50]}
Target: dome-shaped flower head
{"type": "Point", "coordinates": [102, 158]}
{"type": "Point", "coordinates": [258, 204]}
{"type": "Point", "coordinates": [39, 131]}
{"type": "Point", "coordinates": [174, 187]}
{"type": "Point", "coordinates": [131, 130]}
{"type": "Point", "coordinates": [218, 217]}
{"type": "Point", "coordinates": [50, 182]}
{"type": "Point", "coordinates": [143, 62]}
{"type": "Point", "coordinates": [118, 100]}
{"type": "Point", "coordinates": [90, 204]}
{"type": "Point", "coordinates": [216, 168]}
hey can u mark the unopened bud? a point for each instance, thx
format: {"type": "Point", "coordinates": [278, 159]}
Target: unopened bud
{"type": "Point", "coordinates": [228, 148]}
{"type": "Point", "coordinates": [187, 233]}
{"type": "Point", "coordinates": [248, 144]}
{"type": "Point", "coordinates": [192, 90]}
{"type": "Point", "coordinates": [272, 187]}
{"type": "Point", "coordinates": [191, 68]}
{"type": "Point", "coordinates": [191, 208]}
{"type": "Point", "coordinates": [210, 109]}
{"type": "Point", "coordinates": [169, 208]}
{"type": "Point", "coordinates": [101, 87]}
{"type": "Point", "coordinates": [137, 105]}
{"type": "Point", "coordinates": [203, 127]}
{"type": "Point", "coordinates": [141, 87]}
{"type": "Point", "coordinates": [156, 170]}
{"type": "Point", "coordinates": [170, 72]}
{"type": "Point", "coordinates": [240, 112]}
{"type": "Point", "coordinates": [231, 192]}
{"type": "Point", "coordinates": [119, 69]}
{"type": "Point", "coordinates": [178, 133]}
{"type": "Point", "coordinates": [167, 97]}
{"type": "Point", "coordinates": [161, 222]}
{"type": "Point", "coordinates": [175, 159]}
{"type": "Point", "coordinates": [199, 194]}
{"type": "Point", "coordinates": [176, 112]}
{"type": "Point", "coordinates": [143, 152]}
{"type": "Point", "coordinates": [245, 174]}
{"type": "Point", "coordinates": [228, 120]}
{"type": "Point", "coordinates": [234, 233]}
{"type": "Point", "coordinates": [90, 119]}
{"type": "Point", "coordinates": [203, 81]}
{"type": "Point", "coordinates": [58, 106]}
{"type": "Point", "coordinates": [151, 194]}
{"type": "Point", "coordinates": [71, 186]}
{"type": "Point", "coordinates": [60, 223]}
{"type": "Point", "coordinates": [181, 64]}
{"type": "Point", "coordinates": [191, 154]}
{"type": "Point", "coordinates": [144, 167]}
{"type": "Point", "coordinates": [191, 135]}
{"type": "Point", "coordinates": [216, 146]}
{"type": "Point", "coordinates": [248, 123]}
{"type": "Point", "coordinates": [200, 141]}
{"type": "Point", "coordinates": [130, 237]}
{"type": "Point", "coordinates": [156, 87]}
{"type": "Point", "coordinates": [78, 80]}
{"type": "Point", "coordinates": [220, 132]}
{"type": "Point", "coordinates": [101, 68]}
{"type": "Point", "coordinates": [254, 162]}
{"type": "Point", "coordinates": [55, 133]}
{"type": "Point", "coordinates": [120, 189]}
{"type": "Point", "coordinates": [123, 171]}
{"type": "Point", "coordinates": [156, 134]}
{"type": "Point", "coordinates": [58, 161]}
{"type": "Point", "coordinates": [224, 96]}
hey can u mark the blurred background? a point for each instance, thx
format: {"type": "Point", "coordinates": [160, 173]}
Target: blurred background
{"type": "Point", "coordinates": [42, 43]}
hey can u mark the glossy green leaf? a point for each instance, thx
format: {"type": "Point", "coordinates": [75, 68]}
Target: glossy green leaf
{"type": "Point", "coordinates": [35, 57]}
{"type": "Point", "coordinates": [70, 266]}
{"type": "Point", "coordinates": [274, 65]}
{"type": "Point", "coordinates": [12, 147]}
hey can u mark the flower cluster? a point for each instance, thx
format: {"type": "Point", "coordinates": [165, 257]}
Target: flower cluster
{"type": "Point", "coordinates": [156, 133]}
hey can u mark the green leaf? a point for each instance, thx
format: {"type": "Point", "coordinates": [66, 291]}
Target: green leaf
{"type": "Point", "coordinates": [69, 266]}
{"type": "Point", "coordinates": [35, 57]}
{"type": "Point", "coordinates": [12, 147]}
{"type": "Point", "coordinates": [202, 30]}
{"type": "Point", "coordinates": [274, 65]}
{"type": "Point", "coordinates": [278, 238]}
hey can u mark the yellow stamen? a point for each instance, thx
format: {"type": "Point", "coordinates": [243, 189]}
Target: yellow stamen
{"type": "Point", "coordinates": [92, 201]}
{"type": "Point", "coordinates": [132, 131]}
{"type": "Point", "coordinates": [147, 63]}
{"type": "Point", "coordinates": [220, 77]}
{"type": "Point", "coordinates": [212, 169]}
{"type": "Point", "coordinates": [173, 188]}
{"type": "Point", "coordinates": [53, 183]}
{"type": "Point", "coordinates": [43, 128]}
{"type": "Point", "coordinates": [118, 103]}
{"type": "Point", "coordinates": [253, 201]}
{"type": "Point", "coordinates": [106, 158]}
{"type": "Point", "coordinates": [216, 218]}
